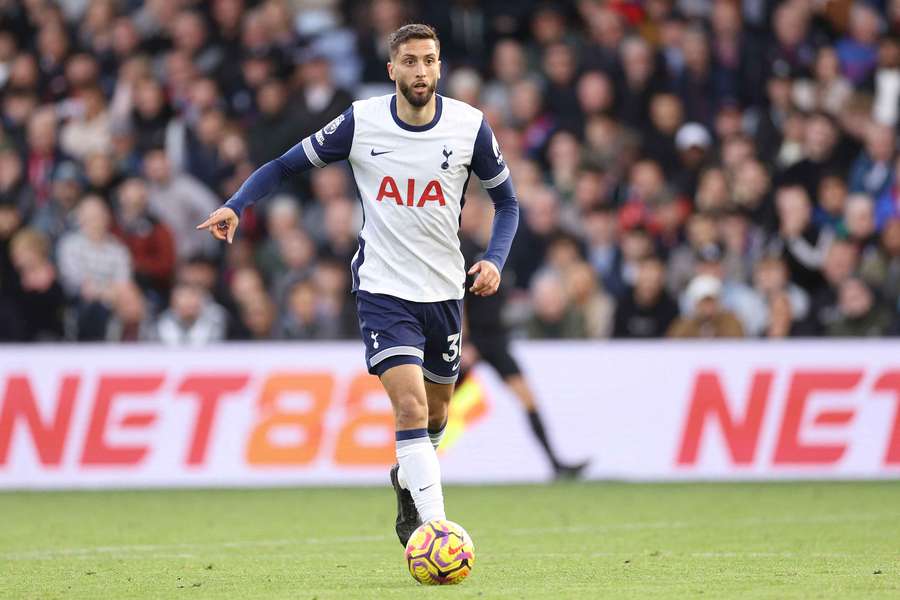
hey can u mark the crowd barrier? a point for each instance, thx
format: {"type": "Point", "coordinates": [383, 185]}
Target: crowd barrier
{"type": "Point", "coordinates": [95, 416]}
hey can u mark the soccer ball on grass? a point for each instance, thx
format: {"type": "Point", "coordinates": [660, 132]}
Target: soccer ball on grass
{"type": "Point", "coordinates": [440, 552]}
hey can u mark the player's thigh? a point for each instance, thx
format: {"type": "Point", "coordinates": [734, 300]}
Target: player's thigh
{"type": "Point", "coordinates": [406, 389]}
{"type": "Point", "coordinates": [391, 330]}
{"type": "Point", "coordinates": [443, 342]}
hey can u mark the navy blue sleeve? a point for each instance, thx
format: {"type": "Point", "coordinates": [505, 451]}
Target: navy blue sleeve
{"type": "Point", "coordinates": [329, 144]}
{"type": "Point", "coordinates": [487, 160]}
{"type": "Point", "coordinates": [491, 169]}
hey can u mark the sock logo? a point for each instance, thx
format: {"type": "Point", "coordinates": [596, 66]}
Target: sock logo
{"type": "Point", "coordinates": [375, 340]}
{"type": "Point", "coordinates": [426, 487]}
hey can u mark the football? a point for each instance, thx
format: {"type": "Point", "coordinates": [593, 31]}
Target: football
{"type": "Point", "coordinates": [440, 552]}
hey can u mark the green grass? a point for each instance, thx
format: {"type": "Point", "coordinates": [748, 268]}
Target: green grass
{"type": "Point", "coordinates": [797, 540]}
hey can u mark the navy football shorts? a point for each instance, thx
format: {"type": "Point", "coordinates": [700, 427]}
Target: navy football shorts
{"type": "Point", "coordinates": [398, 332]}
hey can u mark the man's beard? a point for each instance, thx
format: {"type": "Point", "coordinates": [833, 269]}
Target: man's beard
{"type": "Point", "coordinates": [417, 101]}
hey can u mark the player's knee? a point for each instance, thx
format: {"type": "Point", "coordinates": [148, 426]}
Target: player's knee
{"type": "Point", "coordinates": [411, 410]}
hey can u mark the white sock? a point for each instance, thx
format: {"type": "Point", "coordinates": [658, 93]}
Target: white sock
{"type": "Point", "coordinates": [421, 473]}
{"type": "Point", "coordinates": [437, 436]}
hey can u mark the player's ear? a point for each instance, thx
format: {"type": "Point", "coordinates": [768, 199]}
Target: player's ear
{"type": "Point", "coordinates": [390, 69]}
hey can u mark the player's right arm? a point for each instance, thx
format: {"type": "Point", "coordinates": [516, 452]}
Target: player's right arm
{"type": "Point", "coordinates": [329, 144]}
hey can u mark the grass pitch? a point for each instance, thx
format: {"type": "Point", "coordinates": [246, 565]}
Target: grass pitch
{"type": "Point", "coordinates": [798, 540]}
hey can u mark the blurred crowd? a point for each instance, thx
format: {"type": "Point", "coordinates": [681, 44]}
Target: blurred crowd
{"type": "Point", "coordinates": [685, 168]}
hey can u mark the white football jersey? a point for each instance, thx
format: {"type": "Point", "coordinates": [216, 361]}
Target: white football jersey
{"type": "Point", "coordinates": [411, 182]}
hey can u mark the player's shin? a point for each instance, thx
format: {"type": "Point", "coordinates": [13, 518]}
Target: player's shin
{"type": "Point", "coordinates": [422, 472]}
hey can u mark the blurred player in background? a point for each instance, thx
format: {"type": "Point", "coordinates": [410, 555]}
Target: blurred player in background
{"type": "Point", "coordinates": [487, 338]}
{"type": "Point", "coordinates": [411, 154]}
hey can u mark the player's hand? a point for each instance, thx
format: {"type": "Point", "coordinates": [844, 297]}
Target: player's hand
{"type": "Point", "coordinates": [488, 280]}
{"type": "Point", "coordinates": [222, 224]}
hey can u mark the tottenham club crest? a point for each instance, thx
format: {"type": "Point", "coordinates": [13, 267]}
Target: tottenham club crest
{"type": "Point", "coordinates": [446, 164]}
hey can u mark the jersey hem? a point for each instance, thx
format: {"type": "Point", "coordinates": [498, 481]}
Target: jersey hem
{"type": "Point", "coordinates": [410, 297]}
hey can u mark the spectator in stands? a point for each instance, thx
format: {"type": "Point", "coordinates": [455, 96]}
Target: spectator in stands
{"type": "Point", "coordinates": [821, 154]}
{"type": "Point", "coordinates": [258, 317]}
{"type": "Point", "coordinates": [792, 45]}
{"type": "Point", "coordinates": [44, 153]}
{"type": "Point", "coordinates": [871, 173]}
{"type": "Point", "coordinates": [192, 319]}
{"type": "Point", "coordinates": [14, 188]}
{"type": "Point", "coordinates": [882, 267]}
{"type": "Point", "coordinates": [859, 313]}
{"type": "Point", "coordinates": [743, 242]}
{"type": "Point", "coordinates": [658, 140]}
{"type": "Point", "coordinates": [148, 240]}
{"type": "Point", "coordinates": [10, 289]}
{"type": "Point", "coordinates": [782, 322]}
{"type": "Point", "coordinates": [190, 36]}
{"type": "Point", "coordinates": [707, 319]}
{"type": "Point", "coordinates": [858, 51]}
{"type": "Point", "coordinates": [770, 279]}
{"type": "Point", "coordinates": [327, 185]}
{"type": "Point", "coordinates": [341, 231]}
{"type": "Point", "coordinates": [297, 253]}
{"type": "Point", "coordinates": [42, 301]}
{"type": "Point", "coordinates": [179, 200]}
{"type": "Point", "coordinates": [888, 203]}
{"type": "Point", "coordinates": [331, 278]}
{"type": "Point", "coordinates": [323, 100]}
{"type": "Point", "coordinates": [56, 216]}
{"type": "Point", "coordinates": [799, 241]}
{"type": "Point", "coordinates": [280, 124]}
{"type": "Point", "coordinates": [886, 80]}
{"type": "Point", "coordinates": [751, 194]}
{"type": "Point", "coordinates": [595, 306]}
{"type": "Point", "coordinates": [841, 262]}
{"type": "Point", "coordinates": [304, 318]}
{"type": "Point", "coordinates": [89, 129]}
{"type": "Point", "coordinates": [554, 316]}
{"type": "Point", "coordinates": [560, 68]}
{"type": "Point", "coordinates": [203, 153]}
{"type": "Point", "coordinates": [829, 90]}
{"type": "Point", "coordinates": [859, 223]}
{"type": "Point", "coordinates": [152, 118]}
{"type": "Point", "coordinates": [101, 174]}
{"type": "Point", "coordinates": [702, 232]}
{"type": "Point", "coordinates": [91, 262]}
{"type": "Point", "coordinates": [282, 215]}
{"type": "Point", "coordinates": [831, 203]}
{"type": "Point", "coordinates": [541, 224]}
{"type": "Point", "coordinates": [647, 310]}
{"type": "Point", "coordinates": [130, 320]}
{"type": "Point", "coordinates": [734, 295]}
{"type": "Point", "coordinates": [641, 80]}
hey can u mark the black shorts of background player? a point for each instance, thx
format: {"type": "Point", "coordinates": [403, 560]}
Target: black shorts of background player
{"type": "Point", "coordinates": [490, 339]}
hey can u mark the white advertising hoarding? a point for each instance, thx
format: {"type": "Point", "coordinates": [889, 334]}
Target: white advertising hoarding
{"type": "Point", "coordinates": [294, 414]}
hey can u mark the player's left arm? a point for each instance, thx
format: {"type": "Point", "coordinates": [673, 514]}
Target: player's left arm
{"type": "Point", "coordinates": [491, 169]}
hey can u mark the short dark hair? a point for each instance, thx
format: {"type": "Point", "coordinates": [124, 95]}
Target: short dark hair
{"type": "Point", "coordinates": [413, 31]}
